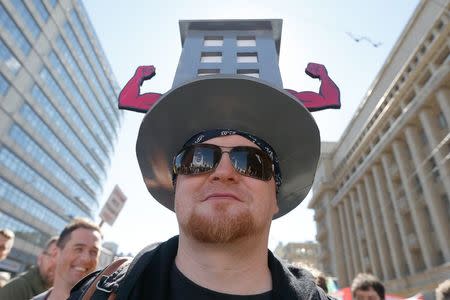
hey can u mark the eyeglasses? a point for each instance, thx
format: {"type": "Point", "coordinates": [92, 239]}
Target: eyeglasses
{"type": "Point", "coordinates": [204, 158]}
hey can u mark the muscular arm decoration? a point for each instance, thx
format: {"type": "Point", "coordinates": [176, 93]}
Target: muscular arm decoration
{"type": "Point", "coordinates": [328, 96]}
{"type": "Point", "coordinates": [130, 98]}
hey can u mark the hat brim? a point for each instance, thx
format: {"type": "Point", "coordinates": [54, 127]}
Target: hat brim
{"type": "Point", "coordinates": [232, 102]}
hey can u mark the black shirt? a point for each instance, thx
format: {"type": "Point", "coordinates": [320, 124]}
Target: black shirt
{"type": "Point", "coordinates": [181, 288]}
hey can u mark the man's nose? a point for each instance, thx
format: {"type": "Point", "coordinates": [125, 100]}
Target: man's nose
{"type": "Point", "coordinates": [225, 169]}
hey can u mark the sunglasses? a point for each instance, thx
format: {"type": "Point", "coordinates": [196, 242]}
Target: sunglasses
{"type": "Point", "coordinates": [204, 158]}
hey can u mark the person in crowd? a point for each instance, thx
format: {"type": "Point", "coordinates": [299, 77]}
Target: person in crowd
{"type": "Point", "coordinates": [6, 242]}
{"type": "Point", "coordinates": [76, 255]}
{"type": "Point", "coordinates": [367, 287]}
{"type": "Point", "coordinates": [37, 279]}
{"type": "Point", "coordinates": [228, 153]}
{"type": "Point", "coordinates": [4, 278]}
{"type": "Point", "coordinates": [442, 292]}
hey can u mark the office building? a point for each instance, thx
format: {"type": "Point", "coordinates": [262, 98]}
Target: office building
{"type": "Point", "coordinates": [58, 121]}
{"type": "Point", "coordinates": [381, 194]}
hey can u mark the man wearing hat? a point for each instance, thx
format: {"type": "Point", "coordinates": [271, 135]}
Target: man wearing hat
{"type": "Point", "coordinates": [228, 153]}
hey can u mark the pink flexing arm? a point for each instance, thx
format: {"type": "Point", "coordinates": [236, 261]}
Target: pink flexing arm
{"type": "Point", "coordinates": [130, 97]}
{"type": "Point", "coordinates": [328, 96]}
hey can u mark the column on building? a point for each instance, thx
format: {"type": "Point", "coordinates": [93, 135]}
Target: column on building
{"type": "Point", "coordinates": [333, 237]}
{"type": "Point", "coordinates": [338, 252]}
{"type": "Point", "coordinates": [443, 98]}
{"type": "Point", "coordinates": [359, 230]}
{"type": "Point", "coordinates": [401, 235]}
{"type": "Point", "coordinates": [352, 234]}
{"type": "Point", "coordinates": [439, 221]}
{"type": "Point", "coordinates": [347, 250]}
{"type": "Point", "coordinates": [375, 214]}
{"type": "Point", "coordinates": [374, 258]}
{"type": "Point", "coordinates": [417, 213]}
{"type": "Point", "coordinates": [394, 241]}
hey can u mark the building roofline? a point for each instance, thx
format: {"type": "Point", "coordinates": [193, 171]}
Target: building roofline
{"type": "Point", "coordinates": [275, 25]}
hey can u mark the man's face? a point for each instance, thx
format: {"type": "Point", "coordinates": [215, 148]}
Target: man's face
{"type": "Point", "coordinates": [223, 206]}
{"type": "Point", "coordinates": [6, 245]}
{"type": "Point", "coordinates": [47, 264]}
{"type": "Point", "coordinates": [369, 294]}
{"type": "Point", "coordinates": [78, 257]}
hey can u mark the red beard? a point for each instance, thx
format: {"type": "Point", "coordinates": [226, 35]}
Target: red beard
{"type": "Point", "coordinates": [223, 227]}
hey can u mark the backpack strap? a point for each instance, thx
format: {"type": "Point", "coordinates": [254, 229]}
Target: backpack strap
{"type": "Point", "coordinates": [110, 269]}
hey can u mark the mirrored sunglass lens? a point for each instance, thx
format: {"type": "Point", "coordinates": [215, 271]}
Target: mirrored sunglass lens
{"type": "Point", "coordinates": [250, 162]}
{"type": "Point", "coordinates": [195, 160]}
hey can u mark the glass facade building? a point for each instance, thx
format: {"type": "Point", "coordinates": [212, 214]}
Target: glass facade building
{"type": "Point", "coordinates": [58, 121]}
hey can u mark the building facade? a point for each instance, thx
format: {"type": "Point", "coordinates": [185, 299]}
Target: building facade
{"type": "Point", "coordinates": [58, 121]}
{"type": "Point", "coordinates": [381, 193]}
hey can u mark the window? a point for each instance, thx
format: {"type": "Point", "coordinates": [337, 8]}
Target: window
{"type": "Point", "coordinates": [418, 184]}
{"type": "Point", "coordinates": [203, 72]}
{"type": "Point", "coordinates": [247, 57]}
{"type": "Point", "coordinates": [249, 72]}
{"type": "Point", "coordinates": [213, 41]}
{"type": "Point", "coordinates": [8, 58]}
{"type": "Point", "coordinates": [211, 57]}
{"type": "Point", "coordinates": [442, 121]}
{"type": "Point", "coordinates": [246, 41]}
{"type": "Point", "coordinates": [423, 137]}
{"type": "Point", "coordinates": [4, 85]}
{"type": "Point", "coordinates": [41, 9]}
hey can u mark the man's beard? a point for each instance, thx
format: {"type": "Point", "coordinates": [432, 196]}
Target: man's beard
{"type": "Point", "coordinates": [223, 227]}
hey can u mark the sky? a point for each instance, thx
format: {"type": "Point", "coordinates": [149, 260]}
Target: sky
{"type": "Point", "coordinates": [134, 33]}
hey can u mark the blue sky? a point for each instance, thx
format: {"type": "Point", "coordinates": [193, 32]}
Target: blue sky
{"type": "Point", "coordinates": [134, 33]}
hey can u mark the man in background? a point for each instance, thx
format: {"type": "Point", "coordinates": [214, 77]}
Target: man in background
{"type": "Point", "coordinates": [76, 255]}
{"type": "Point", "coordinates": [37, 279]}
{"type": "Point", "coordinates": [367, 287]}
{"type": "Point", "coordinates": [6, 242]}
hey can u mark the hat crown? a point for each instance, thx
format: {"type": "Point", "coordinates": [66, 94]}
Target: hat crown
{"type": "Point", "coordinates": [230, 47]}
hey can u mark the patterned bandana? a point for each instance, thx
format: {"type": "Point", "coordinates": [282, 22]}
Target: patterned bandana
{"type": "Point", "coordinates": [213, 133]}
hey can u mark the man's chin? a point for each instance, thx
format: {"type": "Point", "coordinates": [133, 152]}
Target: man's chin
{"type": "Point", "coordinates": [220, 228]}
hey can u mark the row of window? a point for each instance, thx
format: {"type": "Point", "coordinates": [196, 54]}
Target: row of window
{"type": "Point", "coordinates": [24, 231]}
{"type": "Point", "coordinates": [11, 27]}
{"type": "Point", "coordinates": [104, 116]}
{"type": "Point", "coordinates": [241, 57]}
{"type": "Point", "coordinates": [41, 157]}
{"type": "Point", "coordinates": [98, 148]}
{"type": "Point", "coordinates": [24, 202]}
{"type": "Point", "coordinates": [247, 72]}
{"type": "Point", "coordinates": [110, 106]}
{"type": "Point", "coordinates": [26, 16]}
{"type": "Point", "coordinates": [73, 140]}
{"type": "Point", "coordinates": [31, 177]}
{"type": "Point", "coordinates": [8, 58]}
{"type": "Point", "coordinates": [241, 41]}
{"type": "Point", "coordinates": [61, 150]}
{"type": "Point", "coordinates": [80, 101]}
{"type": "Point", "coordinates": [91, 53]}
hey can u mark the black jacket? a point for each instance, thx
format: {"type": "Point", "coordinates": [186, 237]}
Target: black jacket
{"type": "Point", "coordinates": [155, 266]}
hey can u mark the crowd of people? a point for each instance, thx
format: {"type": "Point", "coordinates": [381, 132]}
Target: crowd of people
{"type": "Point", "coordinates": [68, 258]}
